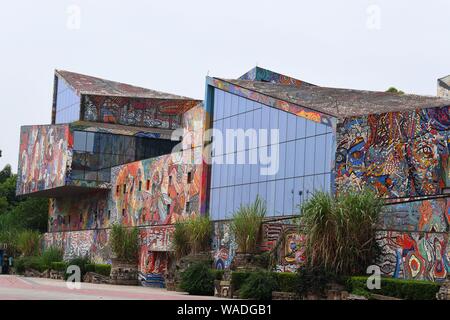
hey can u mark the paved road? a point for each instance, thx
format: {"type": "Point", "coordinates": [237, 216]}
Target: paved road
{"type": "Point", "coordinates": [21, 288]}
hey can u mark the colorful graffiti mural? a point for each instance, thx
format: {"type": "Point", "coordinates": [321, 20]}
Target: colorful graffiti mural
{"type": "Point", "coordinates": [158, 113]}
{"type": "Point", "coordinates": [282, 239]}
{"type": "Point", "coordinates": [430, 215]}
{"type": "Point", "coordinates": [92, 243]}
{"type": "Point", "coordinates": [398, 154]}
{"type": "Point", "coordinates": [155, 249]}
{"type": "Point", "coordinates": [81, 212]}
{"type": "Point", "coordinates": [223, 245]}
{"type": "Point", "coordinates": [414, 255]}
{"type": "Point", "coordinates": [156, 191]}
{"type": "Point", "coordinates": [45, 154]}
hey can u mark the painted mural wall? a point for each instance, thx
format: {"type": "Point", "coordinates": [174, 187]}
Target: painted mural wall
{"type": "Point", "coordinates": [282, 238]}
{"type": "Point", "coordinates": [398, 154]}
{"type": "Point", "coordinates": [44, 156]}
{"type": "Point", "coordinates": [160, 190]}
{"type": "Point", "coordinates": [155, 247]}
{"type": "Point", "coordinates": [80, 212]}
{"type": "Point", "coordinates": [414, 239]}
{"type": "Point", "coordinates": [159, 113]}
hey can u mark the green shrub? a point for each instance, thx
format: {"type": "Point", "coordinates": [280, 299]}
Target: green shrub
{"type": "Point", "coordinates": [103, 269]}
{"type": "Point", "coordinates": [246, 225]}
{"type": "Point", "coordinates": [314, 280]}
{"type": "Point", "coordinates": [90, 267]}
{"type": "Point", "coordinates": [59, 266]}
{"type": "Point", "coordinates": [124, 242]}
{"type": "Point", "coordinates": [218, 274]}
{"type": "Point", "coordinates": [180, 239]}
{"type": "Point", "coordinates": [398, 288]}
{"type": "Point", "coordinates": [51, 254]}
{"type": "Point", "coordinates": [22, 264]}
{"type": "Point", "coordinates": [81, 262]}
{"type": "Point", "coordinates": [286, 281]}
{"type": "Point", "coordinates": [19, 265]}
{"type": "Point", "coordinates": [28, 243]}
{"type": "Point", "coordinates": [198, 279]}
{"type": "Point", "coordinates": [238, 278]}
{"type": "Point", "coordinates": [259, 285]}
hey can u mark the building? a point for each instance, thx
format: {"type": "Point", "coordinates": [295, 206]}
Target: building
{"type": "Point", "coordinates": [106, 158]}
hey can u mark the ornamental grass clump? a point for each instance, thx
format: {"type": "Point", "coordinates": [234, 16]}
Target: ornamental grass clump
{"type": "Point", "coordinates": [199, 229]}
{"type": "Point", "coordinates": [28, 243]}
{"type": "Point", "coordinates": [340, 231]}
{"type": "Point", "coordinates": [124, 243]}
{"type": "Point", "coordinates": [246, 225]}
{"type": "Point", "coordinates": [180, 239]}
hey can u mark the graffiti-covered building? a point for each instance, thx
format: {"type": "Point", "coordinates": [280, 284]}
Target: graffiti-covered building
{"type": "Point", "coordinates": [333, 139]}
{"type": "Point", "coordinates": [119, 153]}
{"type": "Point", "coordinates": [107, 157]}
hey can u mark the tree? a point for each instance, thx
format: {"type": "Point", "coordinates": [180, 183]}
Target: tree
{"type": "Point", "coordinates": [395, 90]}
{"type": "Point", "coordinates": [17, 214]}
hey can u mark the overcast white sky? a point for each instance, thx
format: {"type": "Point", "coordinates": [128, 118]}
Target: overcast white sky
{"type": "Point", "coordinates": [172, 45]}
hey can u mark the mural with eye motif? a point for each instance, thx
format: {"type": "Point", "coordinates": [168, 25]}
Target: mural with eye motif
{"type": "Point", "coordinates": [397, 154]}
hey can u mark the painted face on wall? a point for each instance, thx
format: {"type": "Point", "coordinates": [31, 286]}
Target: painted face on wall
{"type": "Point", "coordinates": [425, 165]}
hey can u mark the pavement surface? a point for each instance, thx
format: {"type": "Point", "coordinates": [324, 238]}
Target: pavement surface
{"type": "Point", "coordinates": [21, 288]}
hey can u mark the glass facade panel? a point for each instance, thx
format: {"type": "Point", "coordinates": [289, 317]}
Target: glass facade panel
{"type": "Point", "coordinates": [304, 159]}
{"type": "Point", "coordinates": [67, 103]}
{"type": "Point", "coordinates": [94, 153]}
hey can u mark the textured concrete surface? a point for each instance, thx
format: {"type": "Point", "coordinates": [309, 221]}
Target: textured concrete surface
{"type": "Point", "coordinates": [21, 288]}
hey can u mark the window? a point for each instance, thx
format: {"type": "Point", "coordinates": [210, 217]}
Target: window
{"type": "Point", "coordinates": [148, 185]}
{"type": "Point", "coordinates": [170, 180]}
{"type": "Point", "coordinates": [140, 185]}
{"type": "Point", "coordinates": [117, 189]}
{"type": "Point", "coordinates": [124, 188]}
{"type": "Point", "coordinates": [168, 209]}
{"type": "Point", "coordinates": [188, 207]}
{"type": "Point", "coordinates": [123, 212]}
{"type": "Point", "coordinates": [109, 214]}
{"type": "Point", "coordinates": [189, 177]}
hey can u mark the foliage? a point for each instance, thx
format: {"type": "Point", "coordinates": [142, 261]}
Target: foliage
{"type": "Point", "coordinates": [24, 263]}
{"type": "Point", "coordinates": [19, 213]}
{"type": "Point", "coordinates": [259, 285]}
{"type": "Point", "coordinates": [81, 262]}
{"type": "Point", "coordinates": [28, 243]}
{"type": "Point", "coordinates": [263, 260]}
{"type": "Point", "coordinates": [9, 236]}
{"type": "Point", "coordinates": [90, 267]}
{"type": "Point", "coordinates": [395, 90]}
{"type": "Point", "coordinates": [218, 274]}
{"type": "Point", "coordinates": [103, 269]}
{"type": "Point", "coordinates": [238, 278]}
{"type": "Point", "coordinates": [180, 240]}
{"type": "Point", "coordinates": [124, 242]}
{"type": "Point", "coordinates": [246, 225]}
{"type": "Point", "coordinates": [59, 266]}
{"type": "Point", "coordinates": [50, 255]}
{"type": "Point", "coordinates": [286, 281]}
{"type": "Point", "coordinates": [340, 231]}
{"type": "Point", "coordinates": [199, 229]}
{"type": "Point", "coordinates": [313, 280]}
{"type": "Point", "coordinates": [198, 279]}
{"type": "Point", "coordinates": [398, 288]}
